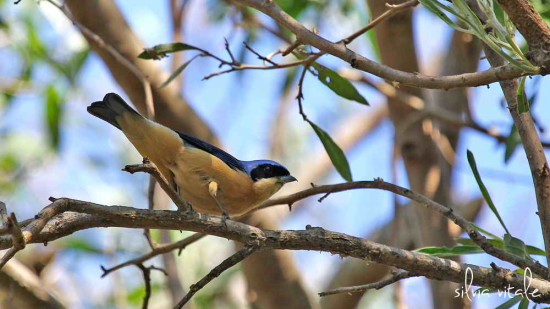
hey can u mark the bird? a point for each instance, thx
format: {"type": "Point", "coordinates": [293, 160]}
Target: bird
{"type": "Point", "coordinates": [211, 180]}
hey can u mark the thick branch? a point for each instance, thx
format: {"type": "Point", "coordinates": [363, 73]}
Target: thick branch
{"type": "Point", "coordinates": [94, 215]}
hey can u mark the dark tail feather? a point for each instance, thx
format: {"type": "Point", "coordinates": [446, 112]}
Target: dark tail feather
{"type": "Point", "coordinates": [111, 107]}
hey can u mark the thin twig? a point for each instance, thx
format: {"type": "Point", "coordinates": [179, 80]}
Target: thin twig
{"type": "Point", "coordinates": [358, 61]}
{"type": "Point", "coordinates": [392, 10]}
{"type": "Point", "coordinates": [150, 169]}
{"type": "Point", "coordinates": [116, 55]}
{"type": "Point", "coordinates": [418, 104]}
{"type": "Point", "coordinates": [422, 200]}
{"type": "Point", "coordinates": [147, 280]}
{"type": "Point", "coordinates": [369, 286]}
{"type": "Point", "coordinates": [3, 217]}
{"type": "Point", "coordinates": [160, 249]}
{"type": "Point", "coordinates": [151, 202]}
{"type": "Point", "coordinates": [218, 270]}
{"type": "Point", "coordinates": [258, 55]}
{"type": "Point", "coordinates": [17, 238]}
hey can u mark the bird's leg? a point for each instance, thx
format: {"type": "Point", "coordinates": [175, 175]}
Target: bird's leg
{"type": "Point", "coordinates": [213, 189]}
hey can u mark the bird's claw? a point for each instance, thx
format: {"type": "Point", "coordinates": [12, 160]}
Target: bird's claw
{"type": "Point", "coordinates": [225, 217]}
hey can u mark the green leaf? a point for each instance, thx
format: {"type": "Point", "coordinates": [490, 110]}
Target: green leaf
{"type": "Point", "coordinates": [81, 244]}
{"type": "Point", "coordinates": [334, 152]}
{"type": "Point", "coordinates": [499, 243]}
{"type": "Point", "coordinates": [76, 62]}
{"type": "Point", "coordinates": [515, 246]}
{"type": "Point", "coordinates": [294, 8]}
{"type": "Point", "coordinates": [53, 113]}
{"type": "Point", "coordinates": [454, 251]}
{"type": "Point", "coordinates": [479, 229]}
{"type": "Point", "coordinates": [524, 304]}
{"type": "Point", "coordinates": [535, 250]}
{"type": "Point", "coordinates": [523, 103]}
{"type": "Point", "coordinates": [177, 72]}
{"type": "Point", "coordinates": [338, 84]}
{"type": "Point", "coordinates": [484, 192]}
{"type": "Point", "coordinates": [159, 51]}
{"type": "Point", "coordinates": [512, 142]}
{"type": "Point", "coordinates": [511, 302]}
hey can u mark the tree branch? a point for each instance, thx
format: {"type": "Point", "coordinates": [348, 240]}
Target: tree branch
{"type": "Point", "coordinates": [82, 215]}
{"type": "Point", "coordinates": [218, 270]}
{"type": "Point", "coordinates": [160, 249]}
{"type": "Point", "coordinates": [369, 286]}
{"type": "Point", "coordinates": [533, 28]}
{"type": "Point", "coordinates": [357, 61]}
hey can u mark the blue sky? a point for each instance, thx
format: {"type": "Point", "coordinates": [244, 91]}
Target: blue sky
{"type": "Point", "coordinates": [240, 110]}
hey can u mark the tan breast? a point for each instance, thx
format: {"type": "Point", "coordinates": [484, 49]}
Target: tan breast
{"type": "Point", "coordinates": [193, 169]}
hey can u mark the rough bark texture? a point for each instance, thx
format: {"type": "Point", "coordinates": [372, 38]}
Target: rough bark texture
{"type": "Point", "coordinates": [533, 28]}
{"type": "Point", "coordinates": [65, 216]}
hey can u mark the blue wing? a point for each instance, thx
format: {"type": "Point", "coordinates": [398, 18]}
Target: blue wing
{"type": "Point", "coordinates": [228, 159]}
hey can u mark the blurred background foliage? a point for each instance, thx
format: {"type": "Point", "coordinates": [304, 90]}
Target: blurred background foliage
{"type": "Point", "coordinates": [50, 146]}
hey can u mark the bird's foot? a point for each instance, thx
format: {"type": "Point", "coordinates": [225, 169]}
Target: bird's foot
{"type": "Point", "coordinates": [225, 217]}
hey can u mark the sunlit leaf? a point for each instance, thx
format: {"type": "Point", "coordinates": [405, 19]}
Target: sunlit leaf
{"type": "Point", "coordinates": [515, 246]}
{"type": "Point", "coordinates": [75, 63]}
{"type": "Point", "coordinates": [487, 233]}
{"type": "Point", "coordinates": [499, 243]}
{"type": "Point", "coordinates": [338, 84]}
{"type": "Point", "coordinates": [53, 104]}
{"type": "Point", "coordinates": [524, 304]}
{"type": "Point", "coordinates": [509, 303]}
{"type": "Point", "coordinates": [454, 251]}
{"type": "Point", "coordinates": [512, 142]}
{"type": "Point", "coordinates": [484, 191]}
{"type": "Point", "coordinates": [81, 244]}
{"type": "Point", "coordinates": [159, 51]}
{"type": "Point", "coordinates": [292, 7]}
{"type": "Point", "coordinates": [177, 72]}
{"type": "Point", "coordinates": [523, 103]}
{"type": "Point", "coordinates": [334, 152]}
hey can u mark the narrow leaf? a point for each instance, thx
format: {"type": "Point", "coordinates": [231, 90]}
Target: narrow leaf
{"type": "Point", "coordinates": [535, 250]}
{"type": "Point", "coordinates": [334, 152]}
{"type": "Point", "coordinates": [512, 142]}
{"type": "Point", "coordinates": [523, 104]}
{"type": "Point", "coordinates": [81, 244]}
{"type": "Point", "coordinates": [159, 51]}
{"type": "Point", "coordinates": [510, 303]}
{"type": "Point", "coordinates": [53, 111]}
{"type": "Point", "coordinates": [484, 192]}
{"type": "Point", "coordinates": [338, 84]}
{"type": "Point", "coordinates": [515, 246]}
{"type": "Point", "coordinates": [177, 72]}
{"type": "Point", "coordinates": [524, 304]}
{"type": "Point", "coordinates": [479, 229]}
{"type": "Point", "coordinates": [499, 243]}
{"type": "Point", "coordinates": [446, 251]}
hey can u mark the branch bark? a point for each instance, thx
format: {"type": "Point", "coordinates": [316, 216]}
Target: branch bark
{"type": "Point", "coordinates": [74, 215]}
{"type": "Point", "coordinates": [533, 28]}
{"type": "Point", "coordinates": [359, 62]}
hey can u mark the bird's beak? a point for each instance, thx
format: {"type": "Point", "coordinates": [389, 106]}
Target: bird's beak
{"type": "Point", "coordinates": [287, 179]}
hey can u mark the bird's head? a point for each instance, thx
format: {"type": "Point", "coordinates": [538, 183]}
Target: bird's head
{"type": "Point", "coordinates": [262, 170]}
{"type": "Point", "coordinates": [267, 176]}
